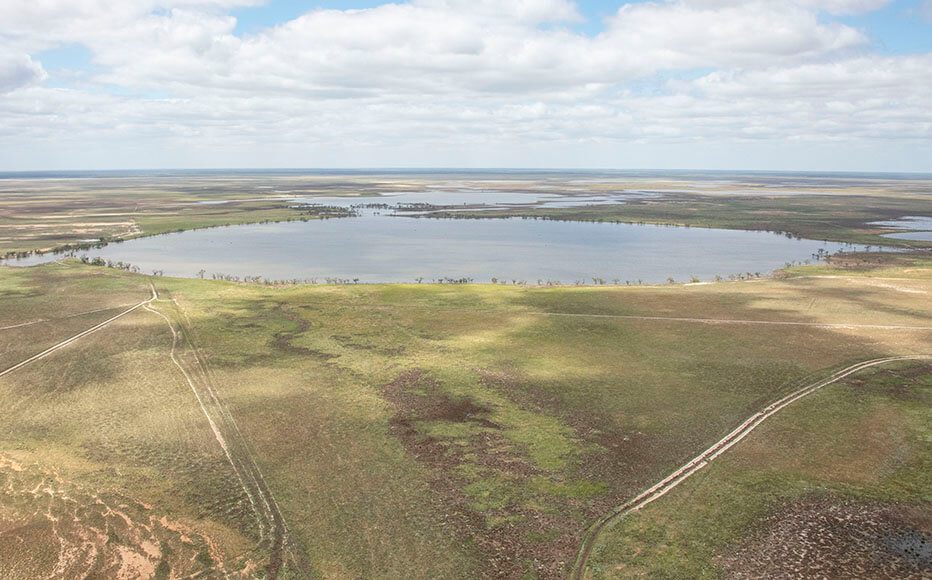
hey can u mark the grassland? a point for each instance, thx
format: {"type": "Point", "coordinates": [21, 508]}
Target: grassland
{"type": "Point", "coordinates": [857, 452]}
{"type": "Point", "coordinates": [443, 431]}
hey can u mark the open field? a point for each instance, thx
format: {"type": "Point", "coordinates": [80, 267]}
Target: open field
{"type": "Point", "coordinates": [49, 213]}
{"type": "Point", "coordinates": [448, 431]}
{"type": "Point", "coordinates": [837, 485]}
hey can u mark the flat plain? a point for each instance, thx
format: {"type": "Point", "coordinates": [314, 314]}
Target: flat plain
{"type": "Point", "coordinates": [227, 429]}
{"type": "Point", "coordinates": [61, 213]}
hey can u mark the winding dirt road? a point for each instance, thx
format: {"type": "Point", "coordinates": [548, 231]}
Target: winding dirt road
{"type": "Point", "coordinates": [660, 489]}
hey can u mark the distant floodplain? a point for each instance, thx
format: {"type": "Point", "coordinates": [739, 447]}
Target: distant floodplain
{"type": "Point", "coordinates": [383, 245]}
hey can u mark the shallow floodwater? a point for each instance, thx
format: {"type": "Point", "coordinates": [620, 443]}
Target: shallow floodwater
{"type": "Point", "coordinates": [915, 236]}
{"type": "Point", "coordinates": [914, 226]}
{"type": "Point", "coordinates": [456, 198]}
{"type": "Point", "coordinates": [382, 248]}
{"type": "Point", "coordinates": [910, 222]}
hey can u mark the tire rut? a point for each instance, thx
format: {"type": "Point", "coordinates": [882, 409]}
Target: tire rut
{"type": "Point", "coordinates": [673, 480]}
{"type": "Point", "coordinates": [273, 529]}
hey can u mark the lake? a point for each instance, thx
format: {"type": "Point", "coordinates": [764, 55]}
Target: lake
{"type": "Point", "coordinates": [376, 247]}
{"type": "Point", "coordinates": [919, 228]}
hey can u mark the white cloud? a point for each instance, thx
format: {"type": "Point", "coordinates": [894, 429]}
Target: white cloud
{"type": "Point", "coordinates": [437, 46]}
{"type": "Point", "coordinates": [925, 10]}
{"type": "Point", "coordinates": [530, 11]}
{"type": "Point", "coordinates": [18, 71]}
{"type": "Point", "coordinates": [845, 6]}
{"type": "Point", "coordinates": [437, 75]}
{"type": "Point", "coordinates": [707, 33]}
{"type": "Point", "coordinates": [830, 6]}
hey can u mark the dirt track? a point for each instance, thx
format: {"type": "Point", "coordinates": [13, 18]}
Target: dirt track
{"type": "Point", "coordinates": [712, 321]}
{"type": "Point", "coordinates": [78, 336]}
{"type": "Point", "coordinates": [272, 527]}
{"type": "Point", "coordinates": [271, 523]}
{"type": "Point", "coordinates": [659, 489]}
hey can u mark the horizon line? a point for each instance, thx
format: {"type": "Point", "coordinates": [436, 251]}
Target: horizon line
{"type": "Point", "coordinates": [415, 169]}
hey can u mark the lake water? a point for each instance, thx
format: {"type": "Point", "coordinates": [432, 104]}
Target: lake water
{"type": "Point", "coordinates": [915, 236]}
{"type": "Point", "coordinates": [914, 224]}
{"type": "Point", "coordinates": [457, 198]}
{"type": "Point", "coordinates": [384, 248]}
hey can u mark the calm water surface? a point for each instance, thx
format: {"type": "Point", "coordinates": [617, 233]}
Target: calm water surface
{"type": "Point", "coordinates": [916, 236]}
{"type": "Point", "coordinates": [383, 248]}
{"type": "Point", "coordinates": [914, 226]}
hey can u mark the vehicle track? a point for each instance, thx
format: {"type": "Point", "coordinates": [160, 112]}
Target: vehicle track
{"type": "Point", "coordinates": [272, 525]}
{"type": "Point", "coordinates": [78, 336]}
{"type": "Point", "coordinates": [661, 488]}
{"type": "Point", "coordinates": [273, 530]}
{"type": "Point", "coordinates": [75, 315]}
{"type": "Point", "coordinates": [712, 321]}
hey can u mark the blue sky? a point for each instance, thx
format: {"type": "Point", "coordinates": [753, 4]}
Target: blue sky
{"type": "Point", "coordinates": [705, 84]}
{"type": "Point", "coordinates": [898, 28]}
{"type": "Point", "coordinates": [895, 28]}
{"type": "Point", "coordinates": [277, 11]}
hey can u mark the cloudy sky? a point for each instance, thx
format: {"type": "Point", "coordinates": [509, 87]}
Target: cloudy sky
{"type": "Point", "coordinates": [709, 84]}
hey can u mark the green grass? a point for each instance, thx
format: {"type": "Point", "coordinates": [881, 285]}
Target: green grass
{"type": "Point", "coordinates": [432, 431]}
{"type": "Point", "coordinates": [864, 439]}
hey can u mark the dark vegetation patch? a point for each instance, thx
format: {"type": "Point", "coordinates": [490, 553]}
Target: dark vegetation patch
{"type": "Point", "coordinates": [621, 458]}
{"type": "Point", "coordinates": [523, 523]}
{"type": "Point", "coordinates": [830, 537]}
{"type": "Point", "coordinates": [357, 342]}
{"type": "Point", "coordinates": [418, 398]}
{"type": "Point", "coordinates": [912, 383]}
{"type": "Point", "coordinates": [283, 339]}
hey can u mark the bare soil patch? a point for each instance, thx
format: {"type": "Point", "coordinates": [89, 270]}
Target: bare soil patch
{"type": "Point", "coordinates": [52, 527]}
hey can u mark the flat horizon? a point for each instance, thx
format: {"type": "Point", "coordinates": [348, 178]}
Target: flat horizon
{"type": "Point", "coordinates": [427, 169]}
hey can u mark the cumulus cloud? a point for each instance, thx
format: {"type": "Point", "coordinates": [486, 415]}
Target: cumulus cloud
{"type": "Point", "coordinates": [18, 71]}
{"type": "Point", "coordinates": [443, 73]}
{"type": "Point", "coordinates": [438, 46]}
{"type": "Point", "coordinates": [725, 33]}
{"type": "Point", "coordinates": [864, 97]}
